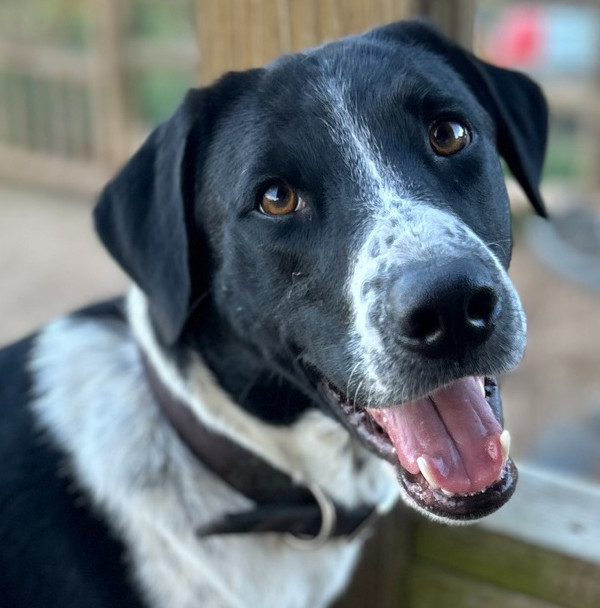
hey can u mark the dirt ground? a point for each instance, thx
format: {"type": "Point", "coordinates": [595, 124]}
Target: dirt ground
{"type": "Point", "coordinates": [50, 262]}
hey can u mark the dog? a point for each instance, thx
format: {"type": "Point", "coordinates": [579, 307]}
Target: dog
{"type": "Point", "coordinates": [320, 309]}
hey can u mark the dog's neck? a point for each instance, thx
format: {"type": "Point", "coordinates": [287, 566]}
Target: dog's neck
{"type": "Point", "coordinates": [263, 376]}
{"type": "Point", "coordinates": [314, 450]}
{"type": "Point", "coordinates": [281, 505]}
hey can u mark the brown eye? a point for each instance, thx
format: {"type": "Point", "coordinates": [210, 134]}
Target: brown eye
{"type": "Point", "coordinates": [280, 199]}
{"type": "Point", "coordinates": [448, 137]}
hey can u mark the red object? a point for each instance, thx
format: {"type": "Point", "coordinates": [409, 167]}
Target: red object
{"type": "Point", "coordinates": [519, 39]}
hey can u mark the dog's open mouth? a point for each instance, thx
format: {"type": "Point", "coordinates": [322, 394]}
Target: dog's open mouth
{"type": "Point", "coordinates": [450, 450]}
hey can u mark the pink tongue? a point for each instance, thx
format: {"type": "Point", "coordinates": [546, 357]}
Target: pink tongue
{"type": "Point", "coordinates": [454, 430]}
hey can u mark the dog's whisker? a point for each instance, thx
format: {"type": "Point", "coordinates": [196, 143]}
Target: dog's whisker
{"type": "Point", "coordinates": [350, 377]}
{"type": "Point", "coordinates": [355, 400]}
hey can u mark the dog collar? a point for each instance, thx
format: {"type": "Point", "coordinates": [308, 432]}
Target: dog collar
{"type": "Point", "coordinates": [305, 513]}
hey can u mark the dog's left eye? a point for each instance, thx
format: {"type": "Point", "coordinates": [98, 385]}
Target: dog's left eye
{"type": "Point", "coordinates": [448, 137]}
{"type": "Point", "coordinates": [279, 198]}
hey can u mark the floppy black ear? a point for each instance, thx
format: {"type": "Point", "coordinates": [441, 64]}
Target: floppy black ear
{"type": "Point", "coordinates": [516, 104]}
{"type": "Point", "coordinates": [145, 213]}
{"type": "Point", "coordinates": [521, 114]}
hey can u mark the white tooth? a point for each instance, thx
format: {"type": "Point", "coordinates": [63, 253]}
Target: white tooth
{"type": "Point", "coordinates": [481, 382]}
{"type": "Point", "coordinates": [505, 443]}
{"type": "Point", "coordinates": [426, 472]}
{"type": "Point", "coordinates": [449, 494]}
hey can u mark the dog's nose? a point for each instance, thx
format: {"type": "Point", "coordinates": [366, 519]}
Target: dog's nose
{"type": "Point", "coordinates": [444, 310]}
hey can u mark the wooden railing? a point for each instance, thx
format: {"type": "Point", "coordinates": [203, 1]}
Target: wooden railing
{"type": "Point", "coordinates": [541, 550]}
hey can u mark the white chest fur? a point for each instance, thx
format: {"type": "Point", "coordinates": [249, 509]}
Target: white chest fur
{"type": "Point", "coordinates": [94, 401]}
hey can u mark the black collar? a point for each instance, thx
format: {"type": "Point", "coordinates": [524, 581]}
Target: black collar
{"type": "Point", "coordinates": [305, 513]}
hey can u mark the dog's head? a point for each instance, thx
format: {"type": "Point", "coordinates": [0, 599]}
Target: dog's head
{"type": "Point", "coordinates": [333, 231]}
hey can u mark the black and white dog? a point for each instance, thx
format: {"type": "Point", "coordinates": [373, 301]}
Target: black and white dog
{"type": "Point", "coordinates": [321, 307]}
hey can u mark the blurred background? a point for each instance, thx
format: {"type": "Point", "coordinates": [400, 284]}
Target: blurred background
{"type": "Point", "coordinates": [83, 81]}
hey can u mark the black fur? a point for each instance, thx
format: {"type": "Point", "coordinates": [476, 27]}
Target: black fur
{"type": "Point", "coordinates": [54, 551]}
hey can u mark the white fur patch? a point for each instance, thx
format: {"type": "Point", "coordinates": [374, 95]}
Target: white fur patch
{"type": "Point", "coordinates": [93, 399]}
{"type": "Point", "coordinates": [411, 232]}
{"type": "Point", "coordinates": [380, 186]}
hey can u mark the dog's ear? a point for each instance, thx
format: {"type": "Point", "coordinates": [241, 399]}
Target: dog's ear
{"type": "Point", "coordinates": [520, 111]}
{"type": "Point", "coordinates": [145, 214]}
{"type": "Point", "coordinates": [515, 103]}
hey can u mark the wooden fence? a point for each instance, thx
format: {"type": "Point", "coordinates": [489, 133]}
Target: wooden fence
{"type": "Point", "coordinates": [66, 114]}
{"type": "Point", "coordinates": [67, 118]}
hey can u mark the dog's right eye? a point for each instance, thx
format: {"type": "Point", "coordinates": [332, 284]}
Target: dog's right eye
{"type": "Point", "coordinates": [279, 198]}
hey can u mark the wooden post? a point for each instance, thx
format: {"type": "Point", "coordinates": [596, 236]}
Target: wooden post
{"type": "Point", "coordinates": [109, 96]}
{"type": "Point", "coordinates": [455, 18]}
{"type": "Point", "coordinates": [382, 576]}
{"type": "Point", "coordinates": [239, 34]}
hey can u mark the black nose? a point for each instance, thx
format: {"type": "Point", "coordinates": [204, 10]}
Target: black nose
{"type": "Point", "coordinates": [444, 310]}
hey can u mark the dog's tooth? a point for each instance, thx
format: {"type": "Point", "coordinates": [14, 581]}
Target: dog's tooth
{"type": "Point", "coordinates": [448, 494]}
{"type": "Point", "coordinates": [505, 443]}
{"type": "Point", "coordinates": [481, 382]}
{"type": "Point", "coordinates": [426, 472]}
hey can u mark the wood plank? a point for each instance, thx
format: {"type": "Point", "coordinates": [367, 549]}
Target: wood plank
{"type": "Point", "coordinates": [271, 39]}
{"type": "Point", "coordinates": [204, 17]}
{"type": "Point", "coordinates": [111, 106]}
{"type": "Point", "coordinates": [258, 31]}
{"type": "Point", "coordinates": [543, 543]}
{"type": "Point", "coordinates": [454, 17]}
{"type": "Point", "coordinates": [430, 586]}
{"type": "Point", "coordinates": [553, 512]}
{"type": "Point", "coordinates": [46, 61]}
{"type": "Point", "coordinates": [503, 561]}
{"type": "Point", "coordinates": [303, 17]}
{"type": "Point", "coordinates": [285, 26]}
{"type": "Point", "coordinates": [53, 172]}
{"type": "Point", "coordinates": [18, 125]}
{"type": "Point", "coordinates": [329, 21]}
{"type": "Point", "coordinates": [241, 33]}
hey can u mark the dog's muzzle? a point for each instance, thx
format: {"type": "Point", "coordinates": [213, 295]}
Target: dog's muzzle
{"type": "Point", "coordinates": [430, 402]}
